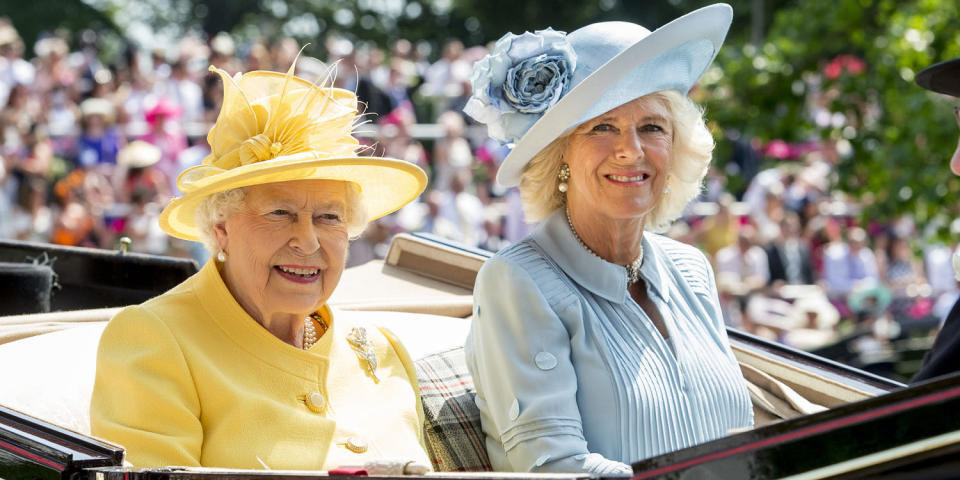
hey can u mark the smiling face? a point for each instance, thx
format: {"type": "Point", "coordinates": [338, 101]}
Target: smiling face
{"type": "Point", "coordinates": [286, 246]}
{"type": "Point", "coordinates": [619, 161]}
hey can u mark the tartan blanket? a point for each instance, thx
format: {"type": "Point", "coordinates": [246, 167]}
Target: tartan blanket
{"type": "Point", "coordinates": [454, 438]}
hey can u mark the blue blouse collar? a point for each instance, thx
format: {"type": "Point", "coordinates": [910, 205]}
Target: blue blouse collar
{"type": "Point", "coordinates": [605, 279]}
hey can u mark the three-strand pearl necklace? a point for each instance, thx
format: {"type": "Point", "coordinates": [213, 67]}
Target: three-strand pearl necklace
{"type": "Point", "coordinates": [310, 333]}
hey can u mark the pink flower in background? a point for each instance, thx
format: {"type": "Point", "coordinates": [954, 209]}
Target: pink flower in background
{"type": "Point", "coordinates": [852, 64]}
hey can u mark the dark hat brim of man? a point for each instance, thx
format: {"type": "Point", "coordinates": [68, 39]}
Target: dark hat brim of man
{"type": "Point", "coordinates": [943, 77]}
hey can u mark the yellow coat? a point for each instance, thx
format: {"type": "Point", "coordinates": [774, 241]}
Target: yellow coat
{"type": "Point", "coordinates": [188, 378]}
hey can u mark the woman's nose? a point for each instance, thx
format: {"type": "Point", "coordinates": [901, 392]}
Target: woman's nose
{"type": "Point", "coordinates": [630, 145]}
{"type": "Point", "coordinates": [304, 236]}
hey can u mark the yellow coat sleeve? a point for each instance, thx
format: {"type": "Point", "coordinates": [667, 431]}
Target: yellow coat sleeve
{"type": "Point", "coordinates": [143, 396]}
{"type": "Point", "coordinates": [411, 374]}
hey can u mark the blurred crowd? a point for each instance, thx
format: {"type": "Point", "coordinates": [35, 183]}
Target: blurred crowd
{"type": "Point", "coordinates": [91, 149]}
{"type": "Point", "coordinates": [796, 263]}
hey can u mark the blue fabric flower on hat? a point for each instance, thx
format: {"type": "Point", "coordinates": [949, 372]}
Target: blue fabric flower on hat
{"type": "Point", "coordinates": [521, 79]}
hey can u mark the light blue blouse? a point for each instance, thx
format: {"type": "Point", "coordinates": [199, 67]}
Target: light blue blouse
{"type": "Point", "coordinates": [572, 375]}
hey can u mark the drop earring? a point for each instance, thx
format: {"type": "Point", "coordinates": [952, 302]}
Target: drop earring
{"type": "Point", "coordinates": [221, 256]}
{"type": "Point", "coordinates": [563, 175]}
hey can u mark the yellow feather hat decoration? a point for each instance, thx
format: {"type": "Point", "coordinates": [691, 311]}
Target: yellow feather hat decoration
{"type": "Point", "coordinates": [276, 127]}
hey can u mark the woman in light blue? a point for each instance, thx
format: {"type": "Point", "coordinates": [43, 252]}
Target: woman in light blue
{"type": "Point", "coordinates": [596, 343]}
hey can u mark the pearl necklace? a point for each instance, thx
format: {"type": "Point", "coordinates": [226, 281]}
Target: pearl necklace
{"type": "Point", "coordinates": [633, 268]}
{"type": "Point", "coordinates": [310, 334]}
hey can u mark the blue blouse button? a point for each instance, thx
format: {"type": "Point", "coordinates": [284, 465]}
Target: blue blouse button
{"type": "Point", "coordinates": [545, 361]}
{"type": "Point", "coordinates": [514, 412]}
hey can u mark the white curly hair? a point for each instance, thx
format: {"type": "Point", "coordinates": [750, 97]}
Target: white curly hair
{"type": "Point", "coordinates": [215, 209]}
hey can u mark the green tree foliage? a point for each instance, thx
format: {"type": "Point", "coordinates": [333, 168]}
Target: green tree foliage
{"type": "Point", "coordinates": [841, 72]}
{"type": "Point", "coordinates": [493, 18]}
{"type": "Point", "coordinates": [33, 19]}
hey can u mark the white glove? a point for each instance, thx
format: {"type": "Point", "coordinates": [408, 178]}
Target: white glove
{"type": "Point", "coordinates": [394, 466]}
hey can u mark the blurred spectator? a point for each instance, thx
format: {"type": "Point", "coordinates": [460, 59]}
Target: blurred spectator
{"type": "Point", "coordinates": [16, 119]}
{"type": "Point", "coordinates": [846, 263]}
{"type": "Point", "coordinates": [769, 219]}
{"type": "Point", "coordinates": [183, 91]}
{"type": "Point", "coordinates": [223, 50]}
{"type": "Point", "coordinates": [141, 224]}
{"type": "Point", "coordinates": [789, 255]}
{"type": "Point", "coordinates": [451, 153]}
{"type": "Point", "coordinates": [439, 78]}
{"type": "Point", "coordinates": [140, 176]}
{"type": "Point", "coordinates": [719, 230]}
{"type": "Point", "coordinates": [815, 322]}
{"type": "Point", "coordinates": [166, 134]}
{"type": "Point", "coordinates": [53, 66]}
{"type": "Point", "coordinates": [755, 197]}
{"type": "Point", "coordinates": [350, 76]}
{"type": "Point", "coordinates": [74, 224]}
{"type": "Point", "coordinates": [742, 270]}
{"type": "Point", "coordinates": [743, 267]}
{"type": "Point", "coordinates": [14, 70]}
{"type": "Point", "coordinates": [99, 139]}
{"type": "Point", "coordinates": [31, 219]}
{"type": "Point", "coordinates": [398, 143]}
{"type": "Point", "coordinates": [460, 214]}
{"type": "Point", "coordinates": [904, 273]}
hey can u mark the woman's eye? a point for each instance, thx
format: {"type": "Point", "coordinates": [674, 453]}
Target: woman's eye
{"type": "Point", "coordinates": [651, 127]}
{"type": "Point", "coordinates": [602, 127]}
{"type": "Point", "coordinates": [279, 212]}
{"type": "Point", "coordinates": [329, 218]}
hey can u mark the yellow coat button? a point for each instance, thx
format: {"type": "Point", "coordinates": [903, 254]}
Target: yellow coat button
{"type": "Point", "coordinates": [356, 445]}
{"type": "Point", "coordinates": [315, 401]}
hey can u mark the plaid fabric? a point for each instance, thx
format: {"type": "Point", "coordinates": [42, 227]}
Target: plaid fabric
{"type": "Point", "coordinates": [454, 437]}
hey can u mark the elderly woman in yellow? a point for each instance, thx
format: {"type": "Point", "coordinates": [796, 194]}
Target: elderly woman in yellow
{"type": "Point", "coordinates": [244, 365]}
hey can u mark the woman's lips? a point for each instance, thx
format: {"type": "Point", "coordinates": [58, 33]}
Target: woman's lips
{"type": "Point", "coordinates": [297, 273]}
{"type": "Point", "coordinates": [630, 178]}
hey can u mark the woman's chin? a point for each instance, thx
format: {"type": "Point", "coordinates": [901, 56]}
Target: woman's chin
{"type": "Point", "coordinates": [299, 304]}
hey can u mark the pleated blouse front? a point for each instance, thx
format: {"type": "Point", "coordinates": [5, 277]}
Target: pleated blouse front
{"type": "Point", "coordinates": [566, 363]}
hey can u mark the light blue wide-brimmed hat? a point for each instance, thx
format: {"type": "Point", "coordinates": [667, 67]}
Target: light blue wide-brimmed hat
{"type": "Point", "coordinates": [534, 87]}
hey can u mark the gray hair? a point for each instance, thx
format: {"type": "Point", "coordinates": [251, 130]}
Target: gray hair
{"type": "Point", "coordinates": [691, 153]}
{"type": "Point", "coordinates": [215, 209]}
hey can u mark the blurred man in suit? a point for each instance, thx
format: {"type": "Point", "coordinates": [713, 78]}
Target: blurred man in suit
{"type": "Point", "coordinates": [944, 357]}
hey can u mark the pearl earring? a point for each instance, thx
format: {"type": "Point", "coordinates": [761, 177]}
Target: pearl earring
{"type": "Point", "coordinates": [563, 175]}
{"type": "Point", "coordinates": [221, 256]}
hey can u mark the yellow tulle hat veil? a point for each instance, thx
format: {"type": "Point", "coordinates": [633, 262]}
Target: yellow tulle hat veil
{"type": "Point", "coordinates": [276, 127]}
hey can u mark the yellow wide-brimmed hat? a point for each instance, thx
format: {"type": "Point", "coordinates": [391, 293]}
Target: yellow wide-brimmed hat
{"type": "Point", "coordinates": [276, 128]}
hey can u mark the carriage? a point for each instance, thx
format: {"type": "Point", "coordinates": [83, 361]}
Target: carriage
{"type": "Point", "coordinates": [815, 418]}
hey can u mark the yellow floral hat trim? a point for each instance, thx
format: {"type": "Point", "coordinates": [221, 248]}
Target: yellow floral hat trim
{"type": "Point", "coordinates": [276, 127]}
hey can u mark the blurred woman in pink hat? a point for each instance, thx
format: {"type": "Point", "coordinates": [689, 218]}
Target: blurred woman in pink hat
{"type": "Point", "coordinates": [166, 134]}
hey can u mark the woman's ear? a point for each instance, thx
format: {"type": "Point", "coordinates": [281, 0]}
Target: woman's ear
{"type": "Point", "coordinates": [220, 233]}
